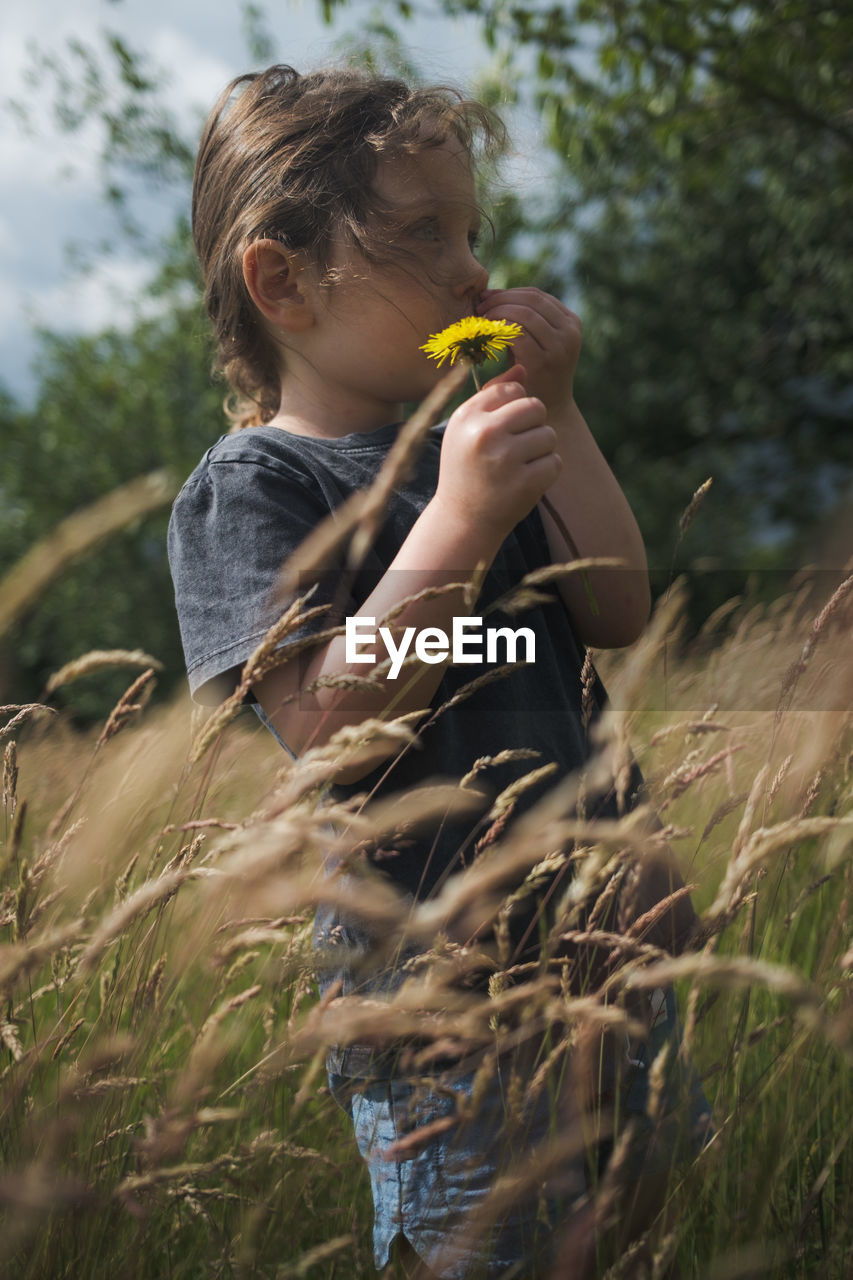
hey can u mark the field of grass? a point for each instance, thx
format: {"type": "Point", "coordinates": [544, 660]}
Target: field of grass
{"type": "Point", "coordinates": [164, 1103]}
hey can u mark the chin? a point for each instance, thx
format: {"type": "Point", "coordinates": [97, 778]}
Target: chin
{"type": "Point", "coordinates": [417, 391]}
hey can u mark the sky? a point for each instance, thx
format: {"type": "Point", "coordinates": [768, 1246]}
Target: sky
{"type": "Point", "coordinates": [50, 187]}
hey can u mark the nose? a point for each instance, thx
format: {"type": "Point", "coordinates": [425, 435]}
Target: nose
{"type": "Point", "coordinates": [472, 279]}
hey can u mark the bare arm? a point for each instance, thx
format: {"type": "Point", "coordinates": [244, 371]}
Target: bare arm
{"type": "Point", "coordinates": [431, 556]}
{"type": "Point", "coordinates": [594, 509]}
{"type": "Point", "coordinates": [586, 495]}
{"type": "Point", "coordinates": [497, 459]}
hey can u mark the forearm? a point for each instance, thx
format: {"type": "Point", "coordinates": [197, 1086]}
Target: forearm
{"type": "Point", "coordinates": [439, 551]}
{"type": "Point", "coordinates": [585, 494]}
{"type": "Point", "coordinates": [596, 513]}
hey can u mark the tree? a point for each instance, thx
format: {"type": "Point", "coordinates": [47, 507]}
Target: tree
{"type": "Point", "coordinates": [716, 146]}
{"type": "Point", "coordinates": [700, 222]}
{"type": "Point", "coordinates": [113, 406]}
{"type": "Point", "coordinates": [109, 408]}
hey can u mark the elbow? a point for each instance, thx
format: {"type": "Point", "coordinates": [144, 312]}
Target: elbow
{"type": "Point", "coordinates": [616, 627]}
{"type": "Point", "coordinates": [608, 637]}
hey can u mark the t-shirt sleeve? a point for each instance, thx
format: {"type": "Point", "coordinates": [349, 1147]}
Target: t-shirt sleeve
{"type": "Point", "coordinates": [233, 526]}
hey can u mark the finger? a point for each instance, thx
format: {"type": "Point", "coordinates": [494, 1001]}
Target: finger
{"type": "Point", "coordinates": [500, 391]}
{"type": "Point", "coordinates": [519, 416]}
{"type": "Point", "coordinates": [536, 441]}
{"type": "Point", "coordinates": [515, 373]}
{"type": "Point", "coordinates": [536, 327]}
{"type": "Point", "coordinates": [545, 303]}
{"type": "Point", "coordinates": [532, 311]}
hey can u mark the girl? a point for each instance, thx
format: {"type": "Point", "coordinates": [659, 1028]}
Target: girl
{"type": "Point", "coordinates": [336, 219]}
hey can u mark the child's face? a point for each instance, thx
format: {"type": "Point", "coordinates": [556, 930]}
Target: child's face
{"type": "Point", "coordinates": [372, 321]}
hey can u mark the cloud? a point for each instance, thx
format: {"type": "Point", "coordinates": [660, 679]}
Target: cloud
{"type": "Point", "coordinates": [196, 75]}
{"type": "Point", "coordinates": [42, 154]}
{"type": "Point", "coordinates": [7, 239]}
{"type": "Point", "coordinates": [52, 180]}
{"type": "Point", "coordinates": [105, 297]}
{"type": "Point", "coordinates": [35, 154]}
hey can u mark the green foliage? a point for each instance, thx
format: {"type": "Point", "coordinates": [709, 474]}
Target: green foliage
{"type": "Point", "coordinates": [700, 223]}
{"type": "Point", "coordinates": [109, 408]}
{"type": "Point", "coordinates": [105, 83]}
{"type": "Point", "coordinates": [164, 1109]}
{"type": "Point", "coordinates": [698, 219]}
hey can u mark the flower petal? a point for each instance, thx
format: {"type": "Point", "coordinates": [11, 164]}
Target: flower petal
{"type": "Point", "coordinates": [472, 337]}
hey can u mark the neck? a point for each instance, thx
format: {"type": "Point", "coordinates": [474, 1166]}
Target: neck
{"type": "Point", "coordinates": [317, 411]}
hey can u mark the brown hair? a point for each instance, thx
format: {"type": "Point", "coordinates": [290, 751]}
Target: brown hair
{"type": "Point", "coordinates": [293, 157]}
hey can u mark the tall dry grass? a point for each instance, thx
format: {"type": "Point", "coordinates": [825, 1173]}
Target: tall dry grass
{"type": "Point", "coordinates": [164, 1103]}
{"type": "Point", "coordinates": [164, 1110]}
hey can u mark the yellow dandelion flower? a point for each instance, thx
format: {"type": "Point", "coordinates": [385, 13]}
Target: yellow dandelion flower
{"type": "Point", "coordinates": [472, 337]}
{"type": "Point", "coordinates": [475, 338]}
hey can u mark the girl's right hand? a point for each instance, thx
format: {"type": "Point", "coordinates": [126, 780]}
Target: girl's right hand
{"type": "Point", "coordinates": [498, 456]}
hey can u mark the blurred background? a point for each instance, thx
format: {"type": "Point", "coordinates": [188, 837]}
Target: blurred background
{"type": "Point", "coordinates": [682, 177]}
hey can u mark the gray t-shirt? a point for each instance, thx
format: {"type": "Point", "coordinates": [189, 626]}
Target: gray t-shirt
{"type": "Point", "coordinates": [250, 502]}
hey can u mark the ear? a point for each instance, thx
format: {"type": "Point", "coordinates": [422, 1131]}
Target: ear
{"type": "Point", "coordinates": [276, 285]}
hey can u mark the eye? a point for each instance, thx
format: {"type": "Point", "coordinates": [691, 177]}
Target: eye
{"type": "Point", "coordinates": [474, 239]}
{"type": "Point", "coordinates": [428, 229]}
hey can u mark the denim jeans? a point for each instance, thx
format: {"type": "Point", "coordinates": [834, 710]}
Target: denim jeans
{"type": "Point", "coordinates": [476, 1130]}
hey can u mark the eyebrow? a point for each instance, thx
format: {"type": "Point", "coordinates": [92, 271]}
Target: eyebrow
{"type": "Point", "coordinates": [433, 204]}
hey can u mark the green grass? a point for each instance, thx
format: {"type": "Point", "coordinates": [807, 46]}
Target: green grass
{"type": "Point", "coordinates": [164, 1110]}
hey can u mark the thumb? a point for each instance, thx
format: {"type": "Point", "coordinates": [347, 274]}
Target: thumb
{"type": "Point", "coordinates": [515, 373]}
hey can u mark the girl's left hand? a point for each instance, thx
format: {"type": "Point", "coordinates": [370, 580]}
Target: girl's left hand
{"type": "Point", "coordinates": [550, 345]}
